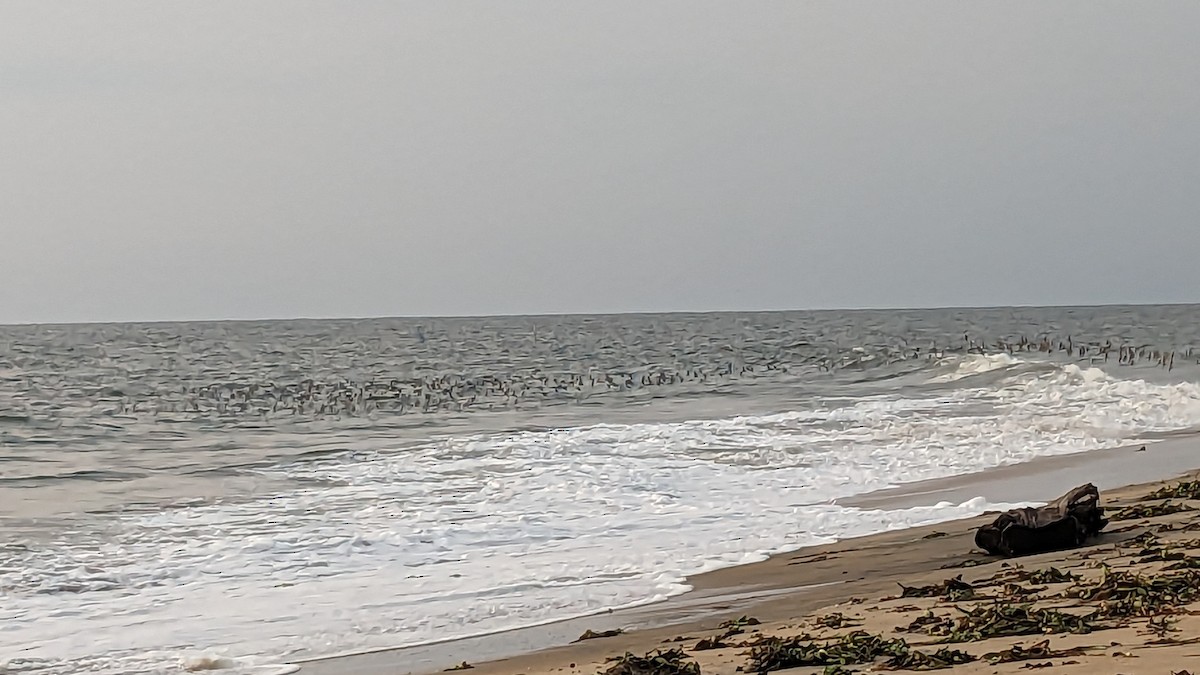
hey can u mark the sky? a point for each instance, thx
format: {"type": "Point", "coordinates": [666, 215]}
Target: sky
{"type": "Point", "coordinates": [205, 160]}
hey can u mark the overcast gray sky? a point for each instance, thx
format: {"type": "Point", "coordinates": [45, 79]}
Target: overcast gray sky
{"type": "Point", "coordinates": [278, 159]}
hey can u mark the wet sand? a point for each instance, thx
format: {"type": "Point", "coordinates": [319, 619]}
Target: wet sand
{"type": "Point", "coordinates": [853, 577]}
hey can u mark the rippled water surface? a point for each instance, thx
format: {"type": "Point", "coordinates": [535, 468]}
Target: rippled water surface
{"type": "Point", "coordinates": [263, 491]}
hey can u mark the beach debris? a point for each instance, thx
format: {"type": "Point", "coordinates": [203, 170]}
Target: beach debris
{"type": "Point", "coordinates": [1188, 489]}
{"type": "Point", "coordinates": [1150, 510]}
{"type": "Point", "coordinates": [926, 619]}
{"type": "Point", "coordinates": [740, 623]}
{"type": "Point", "coordinates": [1147, 538]}
{"type": "Point", "coordinates": [737, 626]}
{"type": "Point", "coordinates": [1015, 590]}
{"type": "Point", "coordinates": [1174, 553]}
{"type": "Point", "coordinates": [935, 535]}
{"type": "Point", "coordinates": [593, 635]}
{"type": "Point", "coordinates": [917, 660]}
{"type": "Point", "coordinates": [731, 627]}
{"type": "Point", "coordinates": [1050, 575]}
{"type": "Point", "coordinates": [856, 647]}
{"type": "Point", "coordinates": [1005, 620]}
{"type": "Point", "coordinates": [837, 670]}
{"type": "Point", "coordinates": [669, 662]}
{"type": "Point", "coordinates": [951, 589]}
{"type": "Point", "coordinates": [1065, 523]}
{"type": "Point", "coordinates": [1011, 581]}
{"type": "Point", "coordinates": [1126, 594]}
{"type": "Point", "coordinates": [1159, 626]}
{"type": "Point", "coordinates": [462, 666]}
{"type": "Point", "coordinates": [836, 620]}
{"type": "Point", "coordinates": [706, 644]}
{"type": "Point", "coordinates": [1040, 650]}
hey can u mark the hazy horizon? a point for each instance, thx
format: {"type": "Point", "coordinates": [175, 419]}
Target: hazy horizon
{"type": "Point", "coordinates": [222, 161]}
{"type": "Point", "coordinates": [594, 314]}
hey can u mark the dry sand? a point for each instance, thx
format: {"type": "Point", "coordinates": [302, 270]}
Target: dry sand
{"type": "Point", "coordinates": [794, 594]}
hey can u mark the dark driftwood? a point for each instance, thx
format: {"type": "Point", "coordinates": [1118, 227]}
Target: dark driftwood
{"type": "Point", "coordinates": [1067, 522]}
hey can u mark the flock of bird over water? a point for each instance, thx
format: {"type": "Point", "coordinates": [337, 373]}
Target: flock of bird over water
{"type": "Point", "coordinates": [460, 393]}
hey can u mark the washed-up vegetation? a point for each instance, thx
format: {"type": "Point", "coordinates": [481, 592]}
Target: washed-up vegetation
{"type": "Point", "coordinates": [593, 635]}
{"type": "Point", "coordinates": [669, 662]}
{"type": "Point", "coordinates": [918, 624]}
{"type": "Point", "coordinates": [858, 647]}
{"type": "Point", "coordinates": [835, 620]}
{"type": "Point", "coordinates": [792, 652]}
{"type": "Point", "coordinates": [1127, 594]}
{"type": "Point", "coordinates": [1160, 626]}
{"type": "Point", "coordinates": [916, 660]}
{"type": "Point", "coordinates": [729, 629]}
{"type": "Point", "coordinates": [706, 644]}
{"type": "Point", "coordinates": [1016, 591]}
{"type": "Point", "coordinates": [1005, 620]}
{"type": "Point", "coordinates": [1150, 510]}
{"type": "Point", "coordinates": [951, 589]}
{"type": "Point", "coordinates": [1049, 575]}
{"type": "Point", "coordinates": [738, 625]}
{"type": "Point", "coordinates": [1040, 650]}
{"type": "Point", "coordinates": [1188, 489]}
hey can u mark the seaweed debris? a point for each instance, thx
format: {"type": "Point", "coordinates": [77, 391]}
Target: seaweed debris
{"type": "Point", "coordinates": [1150, 510]}
{"type": "Point", "coordinates": [1160, 626]}
{"type": "Point", "coordinates": [738, 625]}
{"type": "Point", "coordinates": [1040, 650]}
{"type": "Point", "coordinates": [1050, 575]}
{"type": "Point", "coordinates": [706, 644]}
{"type": "Point", "coordinates": [730, 628]}
{"type": "Point", "coordinates": [1125, 594]}
{"type": "Point", "coordinates": [1015, 590]}
{"type": "Point", "coordinates": [592, 635]}
{"type": "Point", "coordinates": [1003, 620]}
{"type": "Point", "coordinates": [951, 589]}
{"type": "Point", "coordinates": [856, 647]}
{"type": "Point", "coordinates": [926, 619]}
{"type": "Point", "coordinates": [1188, 489]}
{"type": "Point", "coordinates": [836, 620]}
{"type": "Point", "coordinates": [669, 662]}
{"type": "Point", "coordinates": [916, 660]}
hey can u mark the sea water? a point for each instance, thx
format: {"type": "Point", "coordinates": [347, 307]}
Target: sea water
{"type": "Point", "coordinates": [236, 496]}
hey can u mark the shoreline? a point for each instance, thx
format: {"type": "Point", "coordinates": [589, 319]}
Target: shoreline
{"type": "Point", "coordinates": [772, 589]}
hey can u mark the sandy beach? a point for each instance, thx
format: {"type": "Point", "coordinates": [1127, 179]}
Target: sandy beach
{"type": "Point", "coordinates": [826, 594]}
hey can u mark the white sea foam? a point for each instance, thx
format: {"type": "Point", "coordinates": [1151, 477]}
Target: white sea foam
{"type": "Point", "coordinates": [475, 534]}
{"type": "Point", "coordinates": [975, 364]}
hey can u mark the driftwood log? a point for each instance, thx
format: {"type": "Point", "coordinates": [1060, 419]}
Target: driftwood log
{"type": "Point", "coordinates": [1066, 522]}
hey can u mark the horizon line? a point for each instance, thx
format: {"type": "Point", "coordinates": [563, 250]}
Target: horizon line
{"type": "Point", "coordinates": [606, 313]}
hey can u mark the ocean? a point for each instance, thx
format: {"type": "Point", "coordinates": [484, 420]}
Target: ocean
{"type": "Point", "coordinates": [245, 494]}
